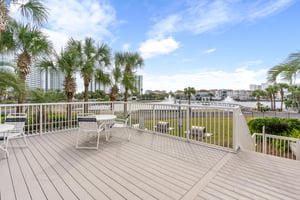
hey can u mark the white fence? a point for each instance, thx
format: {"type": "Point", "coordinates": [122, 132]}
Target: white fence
{"type": "Point", "coordinates": [222, 126]}
{"type": "Point", "coordinates": [285, 147]}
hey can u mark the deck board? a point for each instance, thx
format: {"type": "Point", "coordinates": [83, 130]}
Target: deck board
{"type": "Point", "coordinates": [149, 166]}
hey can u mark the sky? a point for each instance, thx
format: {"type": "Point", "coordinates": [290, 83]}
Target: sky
{"type": "Point", "coordinates": [205, 44]}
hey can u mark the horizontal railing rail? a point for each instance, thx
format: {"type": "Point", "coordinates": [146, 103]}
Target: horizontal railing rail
{"type": "Point", "coordinates": [275, 145]}
{"type": "Point", "coordinates": [211, 124]}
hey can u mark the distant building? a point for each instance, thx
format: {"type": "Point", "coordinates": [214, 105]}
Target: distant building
{"type": "Point", "coordinates": [34, 78]}
{"type": "Point", "coordinates": [94, 85]}
{"type": "Point", "coordinates": [255, 87]}
{"type": "Point", "coordinates": [139, 84]}
{"type": "Point", "coordinates": [53, 80]}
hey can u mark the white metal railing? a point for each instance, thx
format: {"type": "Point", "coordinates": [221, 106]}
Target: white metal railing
{"type": "Point", "coordinates": [220, 125]}
{"type": "Point", "coordinates": [242, 140]}
{"type": "Point", "coordinates": [275, 145]}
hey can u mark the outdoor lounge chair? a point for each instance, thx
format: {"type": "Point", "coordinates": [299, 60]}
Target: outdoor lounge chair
{"type": "Point", "coordinates": [88, 128]}
{"type": "Point", "coordinates": [18, 121]}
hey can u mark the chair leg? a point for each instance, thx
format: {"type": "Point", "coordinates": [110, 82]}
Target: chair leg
{"type": "Point", "coordinates": [25, 140]}
{"type": "Point", "coordinates": [128, 134]}
{"type": "Point", "coordinates": [6, 148]}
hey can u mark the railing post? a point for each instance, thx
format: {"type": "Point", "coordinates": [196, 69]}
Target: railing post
{"type": "Point", "coordinates": [153, 116]}
{"type": "Point", "coordinates": [264, 140]}
{"type": "Point", "coordinates": [187, 122]}
{"type": "Point", "coordinates": [298, 150]}
{"type": "Point", "coordinates": [129, 111]}
{"type": "Point", "coordinates": [235, 137]}
{"type": "Point", "coordinates": [41, 119]}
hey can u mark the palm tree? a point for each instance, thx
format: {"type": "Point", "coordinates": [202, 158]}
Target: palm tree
{"type": "Point", "coordinates": [3, 16]}
{"type": "Point", "coordinates": [287, 71]}
{"type": "Point", "coordinates": [28, 42]}
{"type": "Point", "coordinates": [10, 80]}
{"type": "Point", "coordinates": [281, 87]}
{"type": "Point", "coordinates": [272, 91]}
{"type": "Point", "coordinates": [129, 62]}
{"type": "Point", "coordinates": [188, 92]}
{"type": "Point", "coordinates": [258, 94]}
{"type": "Point", "coordinates": [117, 75]}
{"type": "Point", "coordinates": [32, 10]}
{"type": "Point", "coordinates": [68, 62]}
{"type": "Point", "coordinates": [295, 95]}
{"type": "Point", "coordinates": [91, 55]}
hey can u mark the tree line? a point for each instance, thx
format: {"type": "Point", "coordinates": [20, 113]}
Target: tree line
{"type": "Point", "coordinates": [283, 78]}
{"type": "Point", "coordinates": [25, 41]}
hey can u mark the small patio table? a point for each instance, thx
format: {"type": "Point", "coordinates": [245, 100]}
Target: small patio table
{"type": "Point", "coordinates": [4, 130]}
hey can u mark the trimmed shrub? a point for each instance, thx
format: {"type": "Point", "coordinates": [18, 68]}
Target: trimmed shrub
{"type": "Point", "coordinates": [275, 125]}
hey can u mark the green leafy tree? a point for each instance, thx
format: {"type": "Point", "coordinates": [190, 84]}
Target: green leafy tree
{"type": "Point", "coordinates": [32, 10]}
{"type": "Point", "coordinates": [117, 75]}
{"type": "Point", "coordinates": [128, 63]}
{"type": "Point", "coordinates": [92, 55]}
{"type": "Point", "coordinates": [281, 87]}
{"type": "Point", "coordinates": [28, 43]}
{"type": "Point", "coordinates": [272, 90]}
{"type": "Point", "coordinates": [67, 61]}
{"type": "Point", "coordinates": [188, 93]}
{"type": "Point", "coordinates": [295, 96]}
{"type": "Point", "coordinates": [40, 96]}
{"type": "Point", "coordinates": [258, 94]}
{"type": "Point", "coordinates": [10, 80]}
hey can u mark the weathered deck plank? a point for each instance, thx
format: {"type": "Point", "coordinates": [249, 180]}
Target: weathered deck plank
{"type": "Point", "coordinates": [150, 166]}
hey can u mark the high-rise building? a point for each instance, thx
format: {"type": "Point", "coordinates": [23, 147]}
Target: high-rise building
{"type": "Point", "coordinates": [46, 80]}
{"type": "Point", "coordinates": [95, 85]}
{"type": "Point", "coordinates": [255, 87]}
{"type": "Point", "coordinates": [54, 80]}
{"type": "Point", "coordinates": [33, 79]}
{"type": "Point", "coordinates": [139, 84]}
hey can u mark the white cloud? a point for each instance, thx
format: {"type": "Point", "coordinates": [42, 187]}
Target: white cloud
{"type": "Point", "coordinates": [125, 47]}
{"type": "Point", "coordinates": [203, 16]}
{"type": "Point", "coordinates": [241, 78]}
{"type": "Point", "coordinates": [268, 8]}
{"type": "Point", "coordinates": [79, 19]}
{"type": "Point", "coordinates": [152, 47]}
{"type": "Point", "coordinates": [164, 27]}
{"type": "Point", "coordinates": [208, 51]}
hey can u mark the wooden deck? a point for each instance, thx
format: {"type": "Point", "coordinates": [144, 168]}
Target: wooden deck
{"type": "Point", "coordinates": [149, 166]}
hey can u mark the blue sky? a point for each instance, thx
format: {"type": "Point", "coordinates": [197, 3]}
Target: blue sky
{"type": "Point", "coordinates": [205, 44]}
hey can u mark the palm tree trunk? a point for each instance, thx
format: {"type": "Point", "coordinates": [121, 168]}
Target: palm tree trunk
{"type": "Point", "coordinates": [86, 97]}
{"type": "Point", "coordinates": [125, 99]}
{"type": "Point", "coordinates": [271, 101]}
{"type": "Point", "coordinates": [281, 99]}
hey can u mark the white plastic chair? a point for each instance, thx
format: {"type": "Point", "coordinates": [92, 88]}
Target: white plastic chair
{"type": "Point", "coordinates": [88, 127]}
{"type": "Point", "coordinates": [123, 125]}
{"type": "Point", "coordinates": [18, 120]}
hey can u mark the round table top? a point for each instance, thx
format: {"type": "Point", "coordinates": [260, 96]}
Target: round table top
{"type": "Point", "coordinates": [6, 127]}
{"type": "Point", "coordinates": [105, 117]}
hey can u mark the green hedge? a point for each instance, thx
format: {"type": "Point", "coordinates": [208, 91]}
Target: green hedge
{"type": "Point", "coordinates": [276, 126]}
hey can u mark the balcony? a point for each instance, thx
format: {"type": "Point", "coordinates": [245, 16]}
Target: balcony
{"type": "Point", "coordinates": [151, 165]}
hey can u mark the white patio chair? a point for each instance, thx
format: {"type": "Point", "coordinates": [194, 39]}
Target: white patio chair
{"type": "Point", "coordinates": [88, 127]}
{"type": "Point", "coordinates": [18, 120]}
{"type": "Point", "coordinates": [122, 124]}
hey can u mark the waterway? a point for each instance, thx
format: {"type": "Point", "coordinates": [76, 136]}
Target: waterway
{"type": "Point", "coordinates": [229, 100]}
